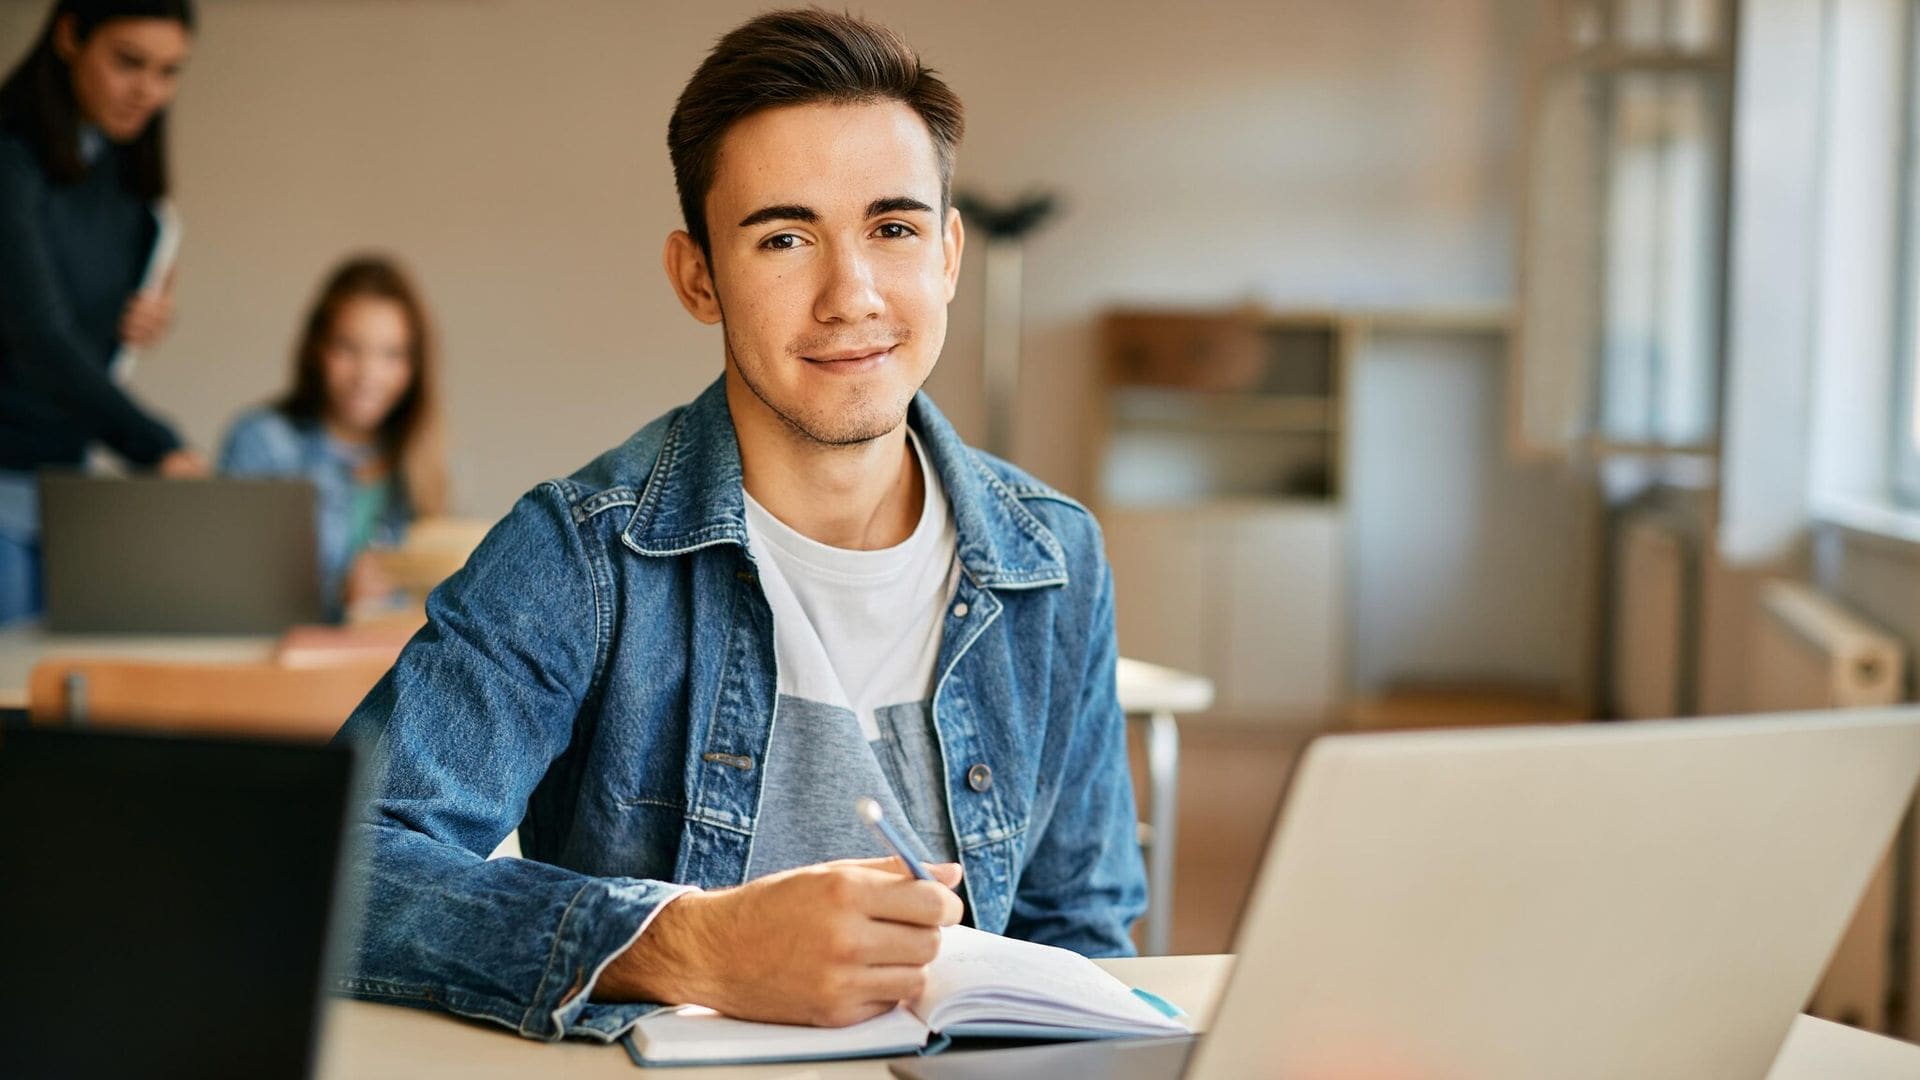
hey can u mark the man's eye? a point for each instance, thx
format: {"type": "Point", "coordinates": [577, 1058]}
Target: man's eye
{"type": "Point", "coordinates": [894, 230]}
{"type": "Point", "coordinates": [785, 241]}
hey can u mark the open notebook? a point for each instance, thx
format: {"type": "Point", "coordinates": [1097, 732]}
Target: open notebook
{"type": "Point", "coordinates": [981, 985]}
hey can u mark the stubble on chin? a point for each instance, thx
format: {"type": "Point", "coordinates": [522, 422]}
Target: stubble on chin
{"type": "Point", "coordinates": [861, 420]}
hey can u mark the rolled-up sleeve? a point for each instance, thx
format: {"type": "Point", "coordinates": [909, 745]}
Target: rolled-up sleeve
{"type": "Point", "coordinates": [456, 737]}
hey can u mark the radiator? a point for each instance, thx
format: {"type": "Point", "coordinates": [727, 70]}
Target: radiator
{"type": "Point", "coordinates": [1809, 652]}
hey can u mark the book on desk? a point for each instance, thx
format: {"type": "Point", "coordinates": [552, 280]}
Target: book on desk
{"type": "Point", "coordinates": [981, 985]}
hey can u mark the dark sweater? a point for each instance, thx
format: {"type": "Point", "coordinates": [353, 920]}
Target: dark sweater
{"type": "Point", "coordinates": [70, 258]}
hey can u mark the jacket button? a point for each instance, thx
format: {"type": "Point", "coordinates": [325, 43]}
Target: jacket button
{"type": "Point", "coordinates": [960, 610]}
{"type": "Point", "coordinates": [979, 778]}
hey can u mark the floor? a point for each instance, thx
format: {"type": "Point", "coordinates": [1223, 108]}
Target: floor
{"type": "Point", "coordinates": [1231, 777]}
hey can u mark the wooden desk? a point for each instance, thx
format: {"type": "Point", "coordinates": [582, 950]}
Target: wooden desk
{"type": "Point", "coordinates": [1149, 694]}
{"type": "Point", "coordinates": [367, 1040]}
{"type": "Point", "coordinates": [25, 644]}
{"type": "Point", "coordinates": [1144, 689]}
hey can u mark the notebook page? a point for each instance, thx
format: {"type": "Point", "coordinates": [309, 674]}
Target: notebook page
{"type": "Point", "coordinates": [982, 977]}
{"type": "Point", "coordinates": [697, 1033]}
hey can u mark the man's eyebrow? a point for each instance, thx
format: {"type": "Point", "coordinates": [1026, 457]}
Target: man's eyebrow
{"type": "Point", "coordinates": [896, 204]}
{"type": "Point", "coordinates": [783, 212]}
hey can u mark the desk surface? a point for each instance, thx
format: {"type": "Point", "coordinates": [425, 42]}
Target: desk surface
{"type": "Point", "coordinates": [25, 644]}
{"type": "Point", "coordinates": [367, 1040]}
{"type": "Point", "coordinates": [1143, 687]}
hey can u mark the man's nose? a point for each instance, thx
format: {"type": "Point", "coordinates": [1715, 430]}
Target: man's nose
{"type": "Point", "coordinates": [850, 294]}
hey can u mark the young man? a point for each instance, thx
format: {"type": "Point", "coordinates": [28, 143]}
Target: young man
{"type": "Point", "coordinates": [676, 670]}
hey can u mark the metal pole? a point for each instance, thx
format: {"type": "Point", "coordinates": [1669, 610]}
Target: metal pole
{"type": "Point", "coordinates": [1000, 360]}
{"type": "Point", "coordinates": [1163, 779]}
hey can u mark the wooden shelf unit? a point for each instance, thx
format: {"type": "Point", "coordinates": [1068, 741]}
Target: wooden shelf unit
{"type": "Point", "coordinates": [1221, 488]}
{"type": "Point", "coordinates": [1223, 404]}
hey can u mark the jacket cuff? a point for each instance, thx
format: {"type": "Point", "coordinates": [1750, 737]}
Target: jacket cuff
{"type": "Point", "coordinates": [147, 445]}
{"type": "Point", "coordinates": [604, 919]}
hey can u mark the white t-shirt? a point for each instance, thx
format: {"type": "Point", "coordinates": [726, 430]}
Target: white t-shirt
{"type": "Point", "coordinates": [859, 629]}
{"type": "Point", "coordinates": [856, 635]}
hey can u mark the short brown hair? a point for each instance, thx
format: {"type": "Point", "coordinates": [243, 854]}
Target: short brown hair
{"type": "Point", "coordinates": [797, 57]}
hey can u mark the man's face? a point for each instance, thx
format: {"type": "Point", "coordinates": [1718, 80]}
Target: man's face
{"type": "Point", "coordinates": [831, 264]}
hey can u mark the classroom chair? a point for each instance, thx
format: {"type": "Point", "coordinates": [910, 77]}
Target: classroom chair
{"type": "Point", "coordinates": [206, 698]}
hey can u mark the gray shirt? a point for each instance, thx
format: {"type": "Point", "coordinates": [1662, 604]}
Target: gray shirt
{"type": "Point", "coordinates": [856, 634]}
{"type": "Point", "coordinates": [820, 763]}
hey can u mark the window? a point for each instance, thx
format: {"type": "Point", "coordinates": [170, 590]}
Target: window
{"type": "Point", "coordinates": [1620, 305]}
{"type": "Point", "coordinates": [1904, 468]}
{"type": "Point", "coordinates": [1661, 268]}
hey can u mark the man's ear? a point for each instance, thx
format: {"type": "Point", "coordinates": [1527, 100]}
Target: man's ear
{"type": "Point", "coordinates": [692, 277]}
{"type": "Point", "coordinates": [956, 237]}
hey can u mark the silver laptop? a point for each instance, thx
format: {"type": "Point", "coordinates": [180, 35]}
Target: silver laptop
{"type": "Point", "coordinates": [1649, 900]}
{"type": "Point", "coordinates": [145, 555]}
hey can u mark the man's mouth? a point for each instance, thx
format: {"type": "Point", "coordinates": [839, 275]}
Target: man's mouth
{"type": "Point", "coordinates": [860, 357]}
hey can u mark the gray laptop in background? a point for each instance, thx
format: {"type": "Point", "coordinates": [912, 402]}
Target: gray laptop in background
{"type": "Point", "coordinates": [152, 556]}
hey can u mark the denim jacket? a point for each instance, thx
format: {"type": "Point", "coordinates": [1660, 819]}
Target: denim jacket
{"type": "Point", "coordinates": [601, 675]}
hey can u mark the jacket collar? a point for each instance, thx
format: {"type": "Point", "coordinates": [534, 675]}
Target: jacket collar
{"type": "Point", "coordinates": [692, 498]}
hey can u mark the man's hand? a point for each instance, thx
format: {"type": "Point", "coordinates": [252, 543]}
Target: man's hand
{"type": "Point", "coordinates": [829, 945]}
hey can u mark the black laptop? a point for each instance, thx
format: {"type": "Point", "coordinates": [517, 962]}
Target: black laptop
{"type": "Point", "coordinates": [164, 902]}
{"type": "Point", "coordinates": [145, 555]}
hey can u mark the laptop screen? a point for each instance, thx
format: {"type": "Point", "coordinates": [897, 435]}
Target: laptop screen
{"type": "Point", "coordinates": [165, 902]}
{"type": "Point", "coordinates": [222, 555]}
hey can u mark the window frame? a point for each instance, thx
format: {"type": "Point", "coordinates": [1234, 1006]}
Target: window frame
{"type": "Point", "coordinates": [1903, 451]}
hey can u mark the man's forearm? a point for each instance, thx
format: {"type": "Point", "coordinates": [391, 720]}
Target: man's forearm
{"type": "Point", "coordinates": [667, 962]}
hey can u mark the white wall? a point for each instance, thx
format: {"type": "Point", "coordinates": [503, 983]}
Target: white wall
{"type": "Point", "coordinates": [513, 150]}
{"type": "Point", "coordinates": [1466, 565]}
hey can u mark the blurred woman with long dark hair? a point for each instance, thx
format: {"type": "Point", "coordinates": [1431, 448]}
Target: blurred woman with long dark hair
{"type": "Point", "coordinates": [83, 157]}
{"type": "Point", "coordinates": [361, 421]}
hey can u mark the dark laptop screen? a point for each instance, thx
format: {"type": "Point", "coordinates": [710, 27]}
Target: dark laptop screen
{"type": "Point", "coordinates": [164, 902]}
{"type": "Point", "coordinates": [224, 555]}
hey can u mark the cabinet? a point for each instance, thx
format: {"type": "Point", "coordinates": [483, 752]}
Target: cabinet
{"type": "Point", "coordinates": [1219, 483]}
{"type": "Point", "coordinates": [1248, 594]}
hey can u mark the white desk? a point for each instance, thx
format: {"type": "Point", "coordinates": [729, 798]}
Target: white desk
{"type": "Point", "coordinates": [367, 1040]}
{"type": "Point", "coordinates": [1151, 694]}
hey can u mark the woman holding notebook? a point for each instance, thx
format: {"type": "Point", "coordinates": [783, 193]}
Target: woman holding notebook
{"type": "Point", "coordinates": [361, 421]}
{"type": "Point", "coordinates": [82, 162]}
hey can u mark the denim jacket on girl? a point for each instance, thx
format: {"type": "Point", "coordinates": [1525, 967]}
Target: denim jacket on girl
{"type": "Point", "coordinates": [266, 442]}
{"type": "Point", "coordinates": [601, 676]}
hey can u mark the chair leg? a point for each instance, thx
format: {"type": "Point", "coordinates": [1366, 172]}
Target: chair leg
{"type": "Point", "coordinates": [1163, 782]}
{"type": "Point", "coordinates": [76, 687]}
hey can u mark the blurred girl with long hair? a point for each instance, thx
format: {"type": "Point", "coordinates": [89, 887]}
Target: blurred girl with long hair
{"type": "Point", "coordinates": [361, 421]}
